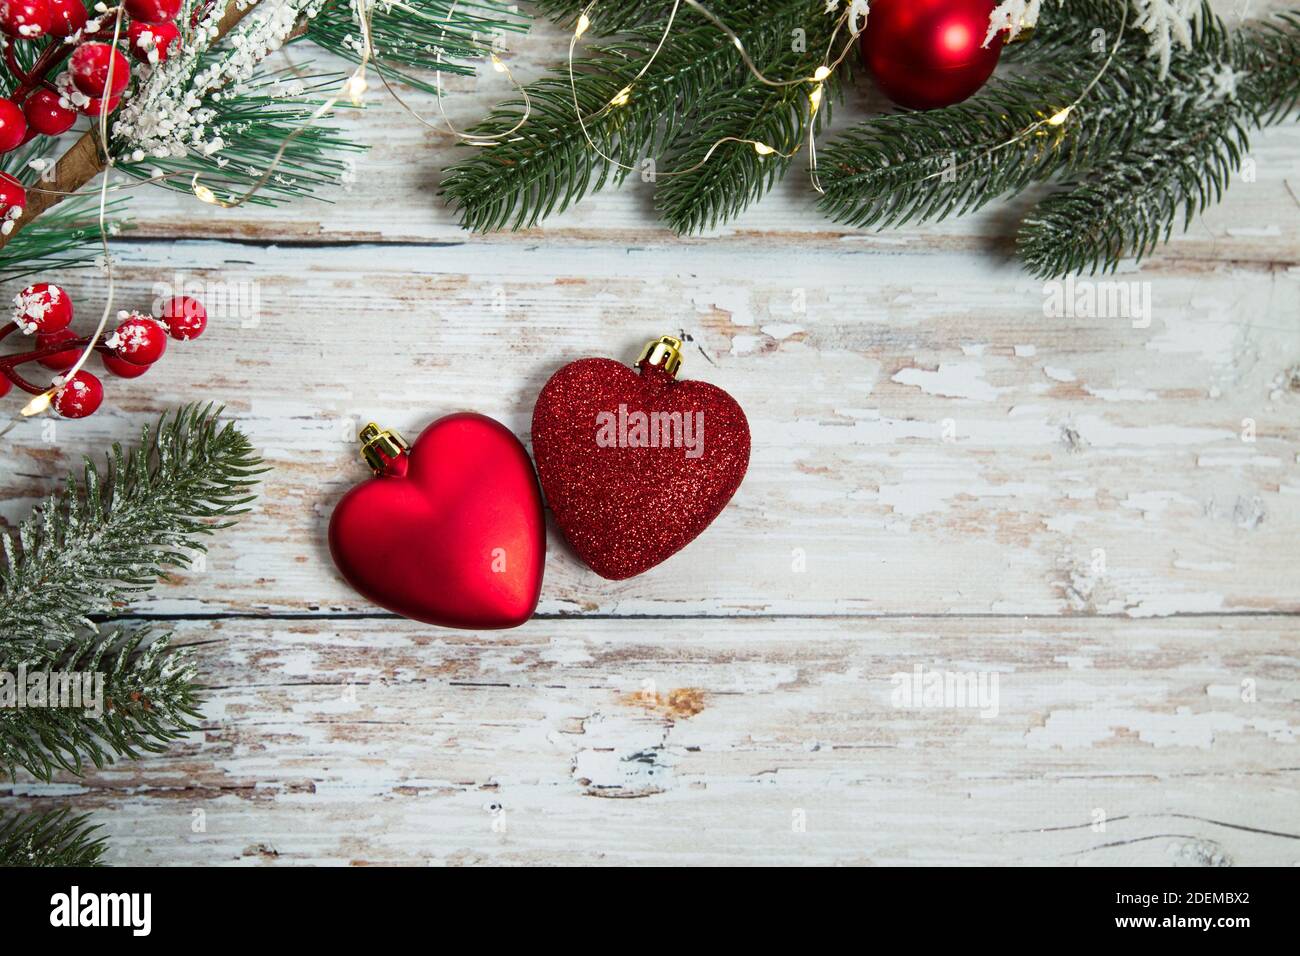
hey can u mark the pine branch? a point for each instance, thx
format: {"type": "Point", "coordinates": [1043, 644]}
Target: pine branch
{"type": "Point", "coordinates": [1130, 203]}
{"type": "Point", "coordinates": [778, 116]}
{"type": "Point", "coordinates": [925, 166]}
{"type": "Point", "coordinates": [86, 550]}
{"type": "Point", "coordinates": [727, 183]}
{"type": "Point", "coordinates": [420, 34]}
{"type": "Point", "coordinates": [52, 838]}
{"type": "Point", "coordinates": [610, 18]}
{"type": "Point", "coordinates": [146, 700]}
{"type": "Point", "coordinates": [549, 163]}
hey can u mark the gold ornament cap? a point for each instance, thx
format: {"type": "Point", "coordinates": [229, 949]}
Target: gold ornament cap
{"type": "Point", "coordinates": [380, 446]}
{"type": "Point", "coordinates": [665, 352]}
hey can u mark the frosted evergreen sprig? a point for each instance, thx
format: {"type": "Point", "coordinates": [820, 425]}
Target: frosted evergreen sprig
{"type": "Point", "coordinates": [148, 700]}
{"type": "Point", "coordinates": [87, 550]}
{"type": "Point", "coordinates": [53, 838]}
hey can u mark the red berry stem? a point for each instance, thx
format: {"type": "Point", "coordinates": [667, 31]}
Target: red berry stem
{"type": "Point", "coordinates": [11, 61]}
{"type": "Point", "coordinates": [45, 63]}
{"type": "Point", "coordinates": [8, 364]}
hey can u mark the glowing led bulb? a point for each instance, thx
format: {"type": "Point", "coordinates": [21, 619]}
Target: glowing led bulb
{"type": "Point", "coordinates": [763, 149]}
{"type": "Point", "coordinates": [1060, 116]}
{"type": "Point", "coordinates": [38, 404]}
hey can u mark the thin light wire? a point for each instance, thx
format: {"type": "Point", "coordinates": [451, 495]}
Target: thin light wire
{"type": "Point", "coordinates": [1058, 118]}
{"type": "Point", "coordinates": [817, 79]}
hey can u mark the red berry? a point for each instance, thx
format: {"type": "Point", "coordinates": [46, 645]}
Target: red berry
{"type": "Point", "coordinates": [94, 107]}
{"type": "Point", "coordinates": [13, 125]}
{"type": "Point", "coordinates": [153, 11]}
{"type": "Point", "coordinates": [46, 116]}
{"type": "Point", "coordinates": [67, 16]}
{"type": "Point", "coordinates": [25, 19]}
{"type": "Point", "coordinates": [43, 308]}
{"type": "Point", "coordinates": [5, 385]}
{"type": "Point", "coordinates": [12, 196]}
{"type": "Point", "coordinates": [90, 65]}
{"type": "Point", "coordinates": [59, 361]}
{"type": "Point", "coordinates": [149, 42]}
{"type": "Point", "coordinates": [139, 340]}
{"type": "Point", "coordinates": [121, 367]}
{"type": "Point", "coordinates": [79, 396]}
{"type": "Point", "coordinates": [185, 317]}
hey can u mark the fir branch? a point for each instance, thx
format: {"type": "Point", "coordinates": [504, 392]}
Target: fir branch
{"type": "Point", "coordinates": [1131, 203]}
{"type": "Point", "coordinates": [727, 183]}
{"type": "Point", "coordinates": [437, 35]}
{"type": "Point", "coordinates": [52, 838]}
{"type": "Point", "coordinates": [549, 163]}
{"type": "Point", "coordinates": [147, 701]}
{"type": "Point", "coordinates": [86, 550]}
{"type": "Point", "coordinates": [610, 18]}
{"type": "Point", "coordinates": [923, 166]}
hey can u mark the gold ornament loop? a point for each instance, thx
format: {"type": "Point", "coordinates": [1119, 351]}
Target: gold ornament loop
{"type": "Point", "coordinates": [665, 352]}
{"type": "Point", "coordinates": [380, 446]}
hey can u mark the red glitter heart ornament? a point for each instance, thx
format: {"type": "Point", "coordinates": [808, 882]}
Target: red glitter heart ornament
{"type": "Point", "coordinates": [635, 466]}
{"type": "Point", "coordinates": [450, 530]}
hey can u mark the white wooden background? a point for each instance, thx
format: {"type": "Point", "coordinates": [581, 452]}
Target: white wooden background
{"type": "Point", "coordinates": [699, 712]}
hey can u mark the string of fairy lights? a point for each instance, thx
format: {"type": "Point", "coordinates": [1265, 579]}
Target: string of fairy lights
{"type": "Point", "coordinates": [355, 86]}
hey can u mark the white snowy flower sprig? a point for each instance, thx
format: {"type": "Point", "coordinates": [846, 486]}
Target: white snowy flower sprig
{"type": "Point", "coordinates": [1012, 16]}
{"type": "Point", "coordinates": [170, 115]}
{"type": "Point", "coordinates": [1164, 21]}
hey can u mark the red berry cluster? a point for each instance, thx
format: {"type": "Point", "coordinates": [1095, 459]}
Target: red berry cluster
{"type": "Point", "coordinates": [97, 73]}
{"type": "Point", "coordinates": [138, 341]}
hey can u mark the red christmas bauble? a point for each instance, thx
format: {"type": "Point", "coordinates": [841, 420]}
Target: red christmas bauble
{"type": "Point", "coordinates": [149, 42]}
{"type": "Point", "coordinates": [67, 17]}
{"type": "Point", "coordinates": [46, 116]}
{"type": "Point", "coordinates": [80, 396]}
{"type": "Point", "coordinates": [59, 361]}
{"type": "Point", "coordinates": [924, 54]}
{"type": "Point", "coordinates": [13, 125]}
{"type": "Point", "coordinates": [25, 19]}
{"type": "Point", "coordinates": [635, 466]}
{"type": "Point", "coordinates": [184, 317]}
{"type": "Point", "coordinates": [139, 339]}
{"type": "Point", "coordinates": [43, 307]}
{"type": "Point", "coordinates": [450, 531]}
{"type": "Point", "coordinates": [90, 65]}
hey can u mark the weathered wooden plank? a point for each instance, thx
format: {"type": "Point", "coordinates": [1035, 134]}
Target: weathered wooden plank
{"type": "Point", "coordinates": [925, 438]}
{"type": "Point", "coordinates": [713, 741]}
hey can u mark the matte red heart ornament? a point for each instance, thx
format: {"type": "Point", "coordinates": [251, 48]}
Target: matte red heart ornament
{"type": "Point", "coordinates": [634, 463]}
{"type": "Point", "coordinates": [450, 530]}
